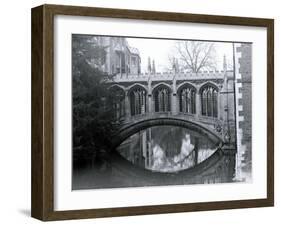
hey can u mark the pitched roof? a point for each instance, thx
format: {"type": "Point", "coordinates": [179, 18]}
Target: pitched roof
{"type": "Point", "coordinates": [134, 50]}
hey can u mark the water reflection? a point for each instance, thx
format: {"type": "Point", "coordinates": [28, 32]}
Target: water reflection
{"type": "Point", "coordinates": [166, 149]}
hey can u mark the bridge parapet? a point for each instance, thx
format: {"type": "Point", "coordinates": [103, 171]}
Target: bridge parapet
{"type": "Point", "coordinates": [170, 76]}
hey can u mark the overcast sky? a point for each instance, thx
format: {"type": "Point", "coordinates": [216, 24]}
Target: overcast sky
{"type": "Point", "coordinates": [160, 49]}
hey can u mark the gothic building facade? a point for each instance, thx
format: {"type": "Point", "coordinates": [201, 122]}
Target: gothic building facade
{"type": "Point", "coordinates": [120, 58]}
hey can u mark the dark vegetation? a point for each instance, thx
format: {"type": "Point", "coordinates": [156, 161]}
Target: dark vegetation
{"type": "Point", "coordinates": [92, 114]}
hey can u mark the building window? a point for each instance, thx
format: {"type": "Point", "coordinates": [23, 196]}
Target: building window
{"type": "Point", "coordinates": [134, 61]}
{"type": "Point", "coordinates": [187, 100]}
{"type": "Point", "coordinates": [209, 101]}
{"type": "Point", "coordinates": [118, 102]}
{"type": "Point", "coordinates": [162, 99]}
{"type": "Point", "coordinates": [138, 101]}
{"type": "Point", "coordinates": [120, 62]}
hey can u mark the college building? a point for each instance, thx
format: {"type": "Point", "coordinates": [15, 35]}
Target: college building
{"type": "Point", "coordinates": [120, 58]}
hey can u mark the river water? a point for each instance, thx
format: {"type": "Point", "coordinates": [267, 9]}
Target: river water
{"type": "Point", "coordinates": [166, 149]}
{"type": "Point", "coordinates": [152, 157]}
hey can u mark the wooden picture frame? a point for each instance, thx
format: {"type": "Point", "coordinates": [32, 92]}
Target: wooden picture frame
{"type": "Point", "coordinates": [42, 203]}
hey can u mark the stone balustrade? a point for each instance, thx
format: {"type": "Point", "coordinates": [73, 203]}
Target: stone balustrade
{"type": "Point", "coordinates": [170, 76]}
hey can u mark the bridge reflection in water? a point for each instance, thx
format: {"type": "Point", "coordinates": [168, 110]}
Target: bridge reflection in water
{"type": "Point", "coordinates": [160, 155]}
{"type": "Point", "coordinates": [166, 149]}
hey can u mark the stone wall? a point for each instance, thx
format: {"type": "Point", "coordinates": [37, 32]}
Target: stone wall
{"type": "Point", "coordinates": [244, 111]}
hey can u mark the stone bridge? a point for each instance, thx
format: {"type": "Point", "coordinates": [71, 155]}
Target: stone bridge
{"type": "Point", "coordinates": [203, 103]}
{"type": "Point", "coordinates": [210, 128]}
{"type": "Point", "coordinates": [186, 99]}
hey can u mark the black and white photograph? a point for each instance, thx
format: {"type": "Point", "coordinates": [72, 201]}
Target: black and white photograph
{"type": "Point", "coordinates": [158, 112]}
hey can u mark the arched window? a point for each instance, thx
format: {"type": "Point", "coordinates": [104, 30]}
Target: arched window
{"type": "Point", "coordinates": [138, 101]}
{"type": "Point", "coordinates": [162, 99]}
{"type": "Point", "coordinates": [187, 100]}
{"type": "Point", "coordinates": [209, 101]}
{"type": "Point", "coordinates": [118, 102]}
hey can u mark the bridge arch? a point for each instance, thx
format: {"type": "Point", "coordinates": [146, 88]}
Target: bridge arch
{"type": "Point", "coordinates": [187, 98]}
{"type": "Point", "coordinates": [116, 86]}
{"type": "Point", "coordinates": [130, 129]}
{"type": "Point", "coordinates": [138, 99]}
{"type": "Point", "coordinates": [135, 85]}
{"type": "Point", "coordinates": [182, 85]}
{"type": "Point", "coordinates": [209, 99]}
{"type": "Point", "coordinates": [209, 83]}
{"type": "Point", "coordinates": [162, 97]}
{"type": "Point", "coordinates": [160, 84]}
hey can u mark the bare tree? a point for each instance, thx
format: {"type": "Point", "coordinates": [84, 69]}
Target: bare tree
{"type": "Point", "coordinates": [196, 56]}
{"type": "Point", "coordinates": [173, 63]}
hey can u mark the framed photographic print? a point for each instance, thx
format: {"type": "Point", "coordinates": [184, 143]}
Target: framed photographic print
{"type": "Point", "coordinates": [141, 112]}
